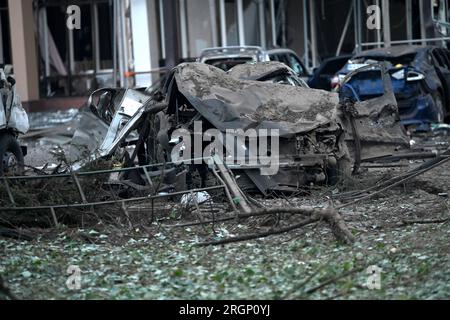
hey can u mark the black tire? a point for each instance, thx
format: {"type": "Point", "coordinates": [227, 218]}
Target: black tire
{"type": "Point", "coordinates": [8, 143]}
{"type": "Point", "coordinates": [340, 173]}
{"type": "Point", "coordinates": [439, 103]}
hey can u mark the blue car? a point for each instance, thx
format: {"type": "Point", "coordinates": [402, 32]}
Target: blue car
{"type": "Point", "coordinates": [420, 79]}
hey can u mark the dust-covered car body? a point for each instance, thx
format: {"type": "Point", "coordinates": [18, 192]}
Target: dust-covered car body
{"type": "Point", "coordinates": [266, 98]}
{"type": "Point", "coordinates": [311, 129]}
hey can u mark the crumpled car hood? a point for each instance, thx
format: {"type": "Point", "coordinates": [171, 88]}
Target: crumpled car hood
{"type": "Point", "coordinates": [230, 103]}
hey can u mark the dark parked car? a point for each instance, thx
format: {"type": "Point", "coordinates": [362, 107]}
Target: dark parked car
{"type": "Point", "coordinates": [324, 76]}
{"type": "Point", "coordinates": [226, 58]}
{"type": "Point", "coordinates": [420, 79]}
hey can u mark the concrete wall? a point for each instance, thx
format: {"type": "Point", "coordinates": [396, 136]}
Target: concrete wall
{"type": "Point", "coordinates": [24, 53]}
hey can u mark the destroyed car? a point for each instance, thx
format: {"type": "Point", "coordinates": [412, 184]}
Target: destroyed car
{"type": "Point", "coordinates": [317, 138]}
{"type": "Point", "coordinates": [420, 77]}
{"type": "Point", "coordinates": [13, 121]}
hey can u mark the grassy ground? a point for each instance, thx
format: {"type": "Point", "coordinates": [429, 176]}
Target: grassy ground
{"type": "Point", "coordinates": [156, 262]}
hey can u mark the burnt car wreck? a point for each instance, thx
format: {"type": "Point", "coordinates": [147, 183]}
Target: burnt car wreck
{"type": "Point", "coordinates": [320, 138]}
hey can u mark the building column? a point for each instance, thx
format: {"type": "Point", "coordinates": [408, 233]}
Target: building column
{"type": "Point", "coordinates": [23, 45]}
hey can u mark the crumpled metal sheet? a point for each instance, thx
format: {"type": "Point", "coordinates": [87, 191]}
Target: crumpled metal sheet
{"type": "Point", "coordinates": [230, 103]}
{"type": "Point", "coordinates": [377, 123]}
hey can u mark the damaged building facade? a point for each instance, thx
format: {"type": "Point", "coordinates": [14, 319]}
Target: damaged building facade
{"type": "Point", "coordinates": [129, 43]}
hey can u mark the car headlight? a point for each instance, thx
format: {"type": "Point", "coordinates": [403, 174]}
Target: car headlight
{"type": "Point", "coordinates": [399, 75]}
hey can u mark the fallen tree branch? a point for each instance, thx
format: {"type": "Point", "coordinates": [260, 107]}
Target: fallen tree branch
{"type": "Point", "coordinates": [262, 234]}
{"type": "Point", "coordinates": [331, 216]}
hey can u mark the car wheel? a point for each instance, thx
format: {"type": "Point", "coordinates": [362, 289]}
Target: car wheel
{"type": "Point", "coordinates": [12, 159]}
{"type": "Point", "coordinates": [340, 173]}
{"type": "Point", "coordinates": [439, 103]}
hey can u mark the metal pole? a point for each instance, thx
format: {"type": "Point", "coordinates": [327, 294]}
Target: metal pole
{"type": "Point", "coordinates": [409, 24]}
{"type": "Point", "coordinates": [183, 29]}
{"type": "Point", "coordinates": [96, 34]}
{"type": "Point", "coordinates": [355, 26]}
{"type": "Point", "coordinates": [163, 31]}
{"type": "Point", "coordinates": [378, 30]}
{"type": "Point", "coordinates": [262, 23]}
{"type": "Point", "coordinates": [171, 33]}
{"type": "Point", "coordinates": [71, 55]}
{"type": "Point", "coordinates": [359, 15]}
{"type": "Point", "coordinates": [305, 32]}
{"type": "Point", "coordinates": [223, 24]}
{"type": "Point", "coordinates": [386, 24]}
{"type": "Point", "coordinates": [423, 31]}
{"type": "Point", "coordinates": [125, 40]}
{"type": "Point", "coordinates": [241, 26]}
{"type": "Point", "coordinates": [120, 41]}
{"type": "Point", "coordinates": [2, 56]}
{"type": "Point", "coordinates": [273, 23]}
{"type": "Point", "coordinates": [312, 15]}
{"type": "Point", "coordinates": [114, 43]}
{"type": "Point", "coordinates": [344, 32]}
{"type": "Point", "coordinates": [213, 15]}
{"type": "Point", "coordinates": [46, 51]}
{"type": "Point", "coordinates": [283, 23]}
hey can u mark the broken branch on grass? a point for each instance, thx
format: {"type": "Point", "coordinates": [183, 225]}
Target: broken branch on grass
{"type": "Point", "coordinates": [261, 235]}
{"type": "Point", "coordinates": [330, 215]}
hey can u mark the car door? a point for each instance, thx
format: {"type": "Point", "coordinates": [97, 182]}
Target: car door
{"type": "Point", "coordinates": [442, 66]}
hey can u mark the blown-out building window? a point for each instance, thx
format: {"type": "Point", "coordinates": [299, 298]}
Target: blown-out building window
{"type": "Point", "coordinates": [5, 40]}
{"type": "Point", "coordinates": [75, 62]}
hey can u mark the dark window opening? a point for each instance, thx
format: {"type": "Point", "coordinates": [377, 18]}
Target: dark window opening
{"type": "Point", "coordinates": [5, 45]}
